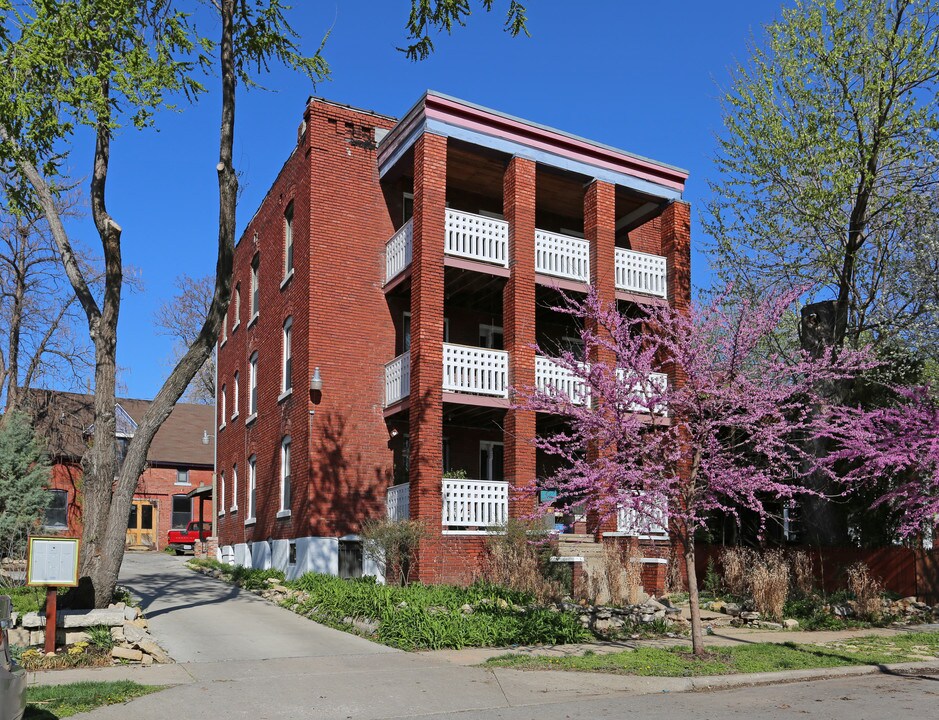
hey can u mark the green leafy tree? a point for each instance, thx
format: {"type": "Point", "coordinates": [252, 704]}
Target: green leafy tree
{"type": "Point", "coordinates": [24, 479]}
{"type": "Point", "coordinates": [100, 65]}
{"type": "Point", "coordinates": [828, 164]}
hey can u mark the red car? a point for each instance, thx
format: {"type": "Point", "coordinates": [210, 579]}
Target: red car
{"type": "Point", "coordinates": [185, 540]}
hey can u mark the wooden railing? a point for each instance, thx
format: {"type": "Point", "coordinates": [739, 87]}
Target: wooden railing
{"type": "Point", "coordinates": [475, 370]}
{"type": "Point", "coordinates": [562, 256]}
{"type": "Point", "coordinates": [472, 506]}
{"type": "Point", "coordinates": [397, 379]}
{"type": "Point", "coordinates": [641, 273]}
{"type": "Point", "coordinates": [551, 378]}
{"type": "Point", "coordinates": [398, 502]}
{"type": "Point", "coordinates": [648, 520]}
{"type": "Point", "coordinates": [477, 237]}
{"type": "Point", "coordinates": [398, 251]}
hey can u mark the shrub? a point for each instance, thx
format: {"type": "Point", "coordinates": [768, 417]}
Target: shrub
{"type": "Point", "coordinates": [867, 591]}
{"type": "Point", "coordinates": [619, 578]}
{"type": "Point", "coordinates": [736, 563]}
{"type": "Point", "coordinates": [803, 573]}
{"type": "Point", "coordinates": [712, 580]}
{"type": "Point", "coordinates": [516, 558]}
{"type": "Point", "coordinates": [769, 583]}
{"type": "Point", "coordinates": [392, 544]}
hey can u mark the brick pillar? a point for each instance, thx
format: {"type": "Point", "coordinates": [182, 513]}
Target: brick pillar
{"type": "Point", "coordinates": [427, 281]}
{"type": "Point", "coordinates": [600, 232]}
{"type": "Point", "coordinates": [676, 246]}
{"type": "Point", "coordinates": [518, 319]}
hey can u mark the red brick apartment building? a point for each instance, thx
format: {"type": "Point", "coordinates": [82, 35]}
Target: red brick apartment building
{"type": "Point", "coordinates": [411, 266]}
{"type": "Point", "coordinates": [180, 460]}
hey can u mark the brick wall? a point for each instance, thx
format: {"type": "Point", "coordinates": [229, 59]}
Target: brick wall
{"type": "Point", "coordinates": [341, 462]}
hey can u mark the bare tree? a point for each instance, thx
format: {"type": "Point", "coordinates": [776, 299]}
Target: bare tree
{"type": "Point", "coordinates": [38, 311]}
{"type": "Point", "coordinates": [181, 318]}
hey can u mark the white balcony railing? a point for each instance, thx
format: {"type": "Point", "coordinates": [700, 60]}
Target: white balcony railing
{"type": "Point", "coordinates": [397, 379]}
{"type": "Point", "coordinates": [562, 256]}
{"type": "Point", "coordinates": [649, 521]}
{"type": "Point", "coordinates": [398, 502]}
{"type": "Point", "coordinates": [655, 383]}
{"type": "Point", "coordinates": [477, 237]}
{"type": "Point", "coordinates": [398, 251]}
{"type": "Point", "coordinates": [641, 273]}
{"type": "Point", "coordinates": [552, 378]}
{"type": "Point", "coordinates": [475, 370]}
{"type": "Point", "coordinates": [474, 505]}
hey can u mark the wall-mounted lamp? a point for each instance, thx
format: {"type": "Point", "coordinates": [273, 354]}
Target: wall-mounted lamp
{"type": "Point", "coordinates": [394, 433]}
{"type": "Point", "coordinates": [316, 382]}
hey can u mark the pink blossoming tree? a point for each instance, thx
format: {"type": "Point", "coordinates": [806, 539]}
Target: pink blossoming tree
{"type": "Point", "coordinates": [893, 451]}
{"type": "Point", "coordinates": [727, 432]}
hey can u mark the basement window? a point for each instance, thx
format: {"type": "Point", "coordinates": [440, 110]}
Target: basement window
{"type": "Point", "coordinates": [350, 558]}
{"type": "Point", "coordinates": [292, 553]}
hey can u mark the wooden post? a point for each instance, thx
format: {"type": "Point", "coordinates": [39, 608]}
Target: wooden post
{"type": "Point", "coordinates": [51, 596]}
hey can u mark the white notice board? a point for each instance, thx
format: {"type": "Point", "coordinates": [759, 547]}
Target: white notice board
{"type": "Point", "coordinates": [52, 561]}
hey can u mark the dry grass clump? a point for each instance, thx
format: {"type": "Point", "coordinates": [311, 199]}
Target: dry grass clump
{"type": "Point", "coordinates": [769, 583]}
{"type": "Point", "coordinates": [674, 582]}
{"type": "Point", "coordinates": [513, 560]}
{"type": "Point", "coordinates": [867, 591]}
{"type": "Point", "coordinates": [737, 563]}
{"type": "Point", "coordinates": [802, 573]}
{"type": "Point", "coordinates": [619, 578]}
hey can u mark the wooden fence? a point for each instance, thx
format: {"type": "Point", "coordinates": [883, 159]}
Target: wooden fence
{"type": "Point", "coordinates": [904, 571]}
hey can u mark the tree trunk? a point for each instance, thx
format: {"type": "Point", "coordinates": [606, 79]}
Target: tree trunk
{"type": "Point", "coordinates": [697, 631]}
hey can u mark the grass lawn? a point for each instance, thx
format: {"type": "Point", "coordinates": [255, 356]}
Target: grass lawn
{"type": "Point", "coordinates": [752, 658]}
{"type": "Point", "coordinates": [49, 702]}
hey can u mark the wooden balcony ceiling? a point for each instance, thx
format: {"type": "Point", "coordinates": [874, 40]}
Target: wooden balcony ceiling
{"type": "Point", "coordinates": [476, 290]}
{"type": "Point", "coordinates": [458, 415]}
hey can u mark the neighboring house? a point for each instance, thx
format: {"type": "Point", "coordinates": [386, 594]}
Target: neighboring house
{"type": "Point", "coordinates": [387, 293]}
{"type": "Point", "coordinates": [180, 460]}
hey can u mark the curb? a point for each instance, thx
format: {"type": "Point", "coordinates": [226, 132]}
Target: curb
{"type": "Point", "coordinates": [726, 682]}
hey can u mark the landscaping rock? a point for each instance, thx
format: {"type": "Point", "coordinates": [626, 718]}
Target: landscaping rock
{"type": "Point", "coordinates": [133, 633]}
{"type": "Point", "coordinates": [70, 638]}
{"type": "Point", "coordinates": [140, 622]}
{"type": "Point", "coordinates": [280, 589]}
{"type": "Point", "coordinates": [146, 660]}
{"type": "Point", "coordinates": [131, 613]}
{"type": "Point", "coordinates": [88, 618]}
{"type": "Point", "coordinates": [790, 624]}
{"type": "Point", "coordinates": [732, 609]}
{"type": "Point", "coordinates": [652, 605]}
{"type": "Point", "coordinates": [37, 637]}
{"type": "Point", "coordinates": [767, 625]}
{"type": "Point", "coordinates": [467, 609]}
{"type": "Point", "coordinates": [749, 616]}
{"type": "Point", "coordinates": [366, 626]}
{"type": "Point", "coordinates": [33, 621]}
{"type": "Point", "coordinates": [19, 636]}
{"type": "Point", "coordinates": [121, 653]}
{"type": "Point", "coordinates": [117, 634]}
{"type": "Point", "coordinates": [608, 625]}
{"type": "Point", "coordinates": [150, 647]}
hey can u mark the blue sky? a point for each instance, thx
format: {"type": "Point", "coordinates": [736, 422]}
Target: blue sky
{"type": "Point", "coordinates": [644, 77]}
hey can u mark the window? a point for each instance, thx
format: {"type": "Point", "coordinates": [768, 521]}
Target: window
{"type": "Point", "coordinates": [445, 455]}
{"type": "Point", "coordinates": [182, 476]}
{"type": "Point", "coordinates": [286, 383]}
{"type": "Point", "coordinates": [288, 241]}
{"type": "Point", "coordinates": [490, 336]}
{"type": "Point", "coordinates": [292, 553]}
{"type": "Point", "coordinates": [350, 558]}
{"type": "Point", "coordinates": [224, 329]}
{"type": "Point", "coordinates": [407, 207]}
{"type": "Point", "coordinates": [234, 399]}
{"type": "Point", "coordinates": [57, 510]}
{"type": "Point", "coordinates": [490, 460]}
{"type": "Point", "coordinates": [221, 492]}
{"type": "Point", "coordinates": [182, 511]}
{"type": "Point", "coordinates": [234, 488]}
{"type": "Point", "coordinates": [222, 405]}
{"type": "Point", "coordinates": [237, 321]}
{"type": "Point", "coordinates": [253, 385]}
{"type": "Point", "coordinates": [255, 287]}
{"type": "Point", "coordinates": [252, 486]}
{"type": "Point", "coordinates": [284, 476]}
